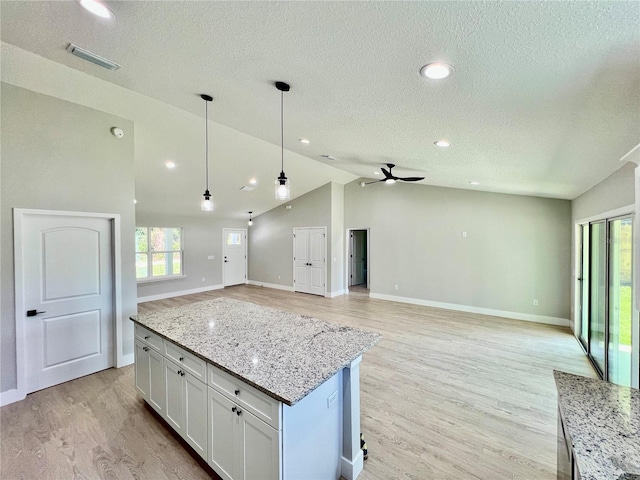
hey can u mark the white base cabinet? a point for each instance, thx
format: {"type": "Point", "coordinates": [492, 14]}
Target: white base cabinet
{"type": "Point", "coordinates": [241, 446]}
{"type": "Point", "coordinates": [150, 376]}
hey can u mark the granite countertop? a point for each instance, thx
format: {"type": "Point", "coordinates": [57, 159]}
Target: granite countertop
{"type": "Point", "coordinates": [603, 420]}
{"type": "Point", "coordinates": [283, 354]}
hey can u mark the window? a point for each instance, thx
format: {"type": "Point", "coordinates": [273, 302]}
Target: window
{"type": "Point", "coordinates": [158, 252]}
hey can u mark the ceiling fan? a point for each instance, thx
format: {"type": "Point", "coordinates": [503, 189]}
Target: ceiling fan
{"type": "Point", "coordinates": [391, 178]}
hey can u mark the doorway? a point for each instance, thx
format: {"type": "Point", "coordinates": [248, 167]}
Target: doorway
{"type": "Point", "coordinates": [234, 248]}
{"type": "Point", "coordinates": [66, 305]}
{"type": "Point", "coordinates": [358, 264]}
{"type": "Point", "coordinates": [309, 260]}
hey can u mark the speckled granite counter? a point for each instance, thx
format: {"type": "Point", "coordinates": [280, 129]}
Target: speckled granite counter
{"type": "Point", "coordinates": [283, 354]}
{"type": "Point", "coordinates": [603, 420]}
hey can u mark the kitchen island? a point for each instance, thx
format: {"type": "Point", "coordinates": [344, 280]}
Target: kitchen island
{"type": "Point", "coordinates": [598, 429]}
{"type": "Point", "coordinates": [257, 392]}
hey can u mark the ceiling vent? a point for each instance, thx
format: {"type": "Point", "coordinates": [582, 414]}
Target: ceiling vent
{"type": "Point", "coordinates": [92, 57]}
{"type": "Point", "coordinates": [246, 189]}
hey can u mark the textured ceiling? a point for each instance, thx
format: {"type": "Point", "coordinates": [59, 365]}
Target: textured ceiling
{"type": "Point", "coordinates": [545, 97]}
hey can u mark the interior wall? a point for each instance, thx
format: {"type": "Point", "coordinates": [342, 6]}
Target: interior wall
{"type": "Point", "coordinates": [201, 239]}
{"type": "Point", "coordinates": [271, 237]}
{"type": "Point", "coordinates": [58, 155]}
{"type": "Point", "coordinates": [337, 248]}
{"type": "Point", "coordinates": [516, 249]}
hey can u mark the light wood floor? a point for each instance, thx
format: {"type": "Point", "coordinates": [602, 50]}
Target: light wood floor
{"type": "Point", "coordinates": [445, 395]}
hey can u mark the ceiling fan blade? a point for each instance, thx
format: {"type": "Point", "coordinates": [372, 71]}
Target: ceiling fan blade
{"type": "Point", "coordinates": [362, 184]}
{"type": "Point", "coordinates": [410, 179]}
{"type": "Point", "coordinates": [387, 173]}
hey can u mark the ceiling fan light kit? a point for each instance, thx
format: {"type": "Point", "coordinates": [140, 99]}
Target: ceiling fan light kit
{"type": "Point", "coordinates": [390, 178]}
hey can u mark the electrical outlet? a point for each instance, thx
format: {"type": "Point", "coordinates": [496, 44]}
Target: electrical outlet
{"type": "Point", "coordinates": [203, 279]}
{"type": "Point", "coordinates": [396, 286]}
{"type": "Point", "coordinates": [535, 302]}
{"type": "Point", "coordinates": [331, 399]}
{"type": "Point", "coordinates": [278, 277]}
{"type": "Point", "coordinates": [464, 234]}
{"type": "Point", "coordinates": [211, 257]}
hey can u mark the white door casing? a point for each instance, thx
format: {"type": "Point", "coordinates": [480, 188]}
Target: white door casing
{"type": "Point", "coordinates": [234, 261]}
{"type": "Point", "coordinates": [358, 257]}
{"type": "Point", "coordinates": [66, 272]}
{"type": "Point", "coordinates": [348, 269]}
{"type": "Point", "coordinates": [309, 261]}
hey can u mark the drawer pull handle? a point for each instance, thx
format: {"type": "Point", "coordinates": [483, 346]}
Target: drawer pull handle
{"type": "Point", "coordinates": [181, 358]}
{"type": "Point", "coordinates": [146, 337]}
{"type": "Point", "coordinates": [146, 349]}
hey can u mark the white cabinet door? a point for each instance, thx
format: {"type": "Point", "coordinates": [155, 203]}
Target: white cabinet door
{"type": "Point", "coordinates": [157, 385]}
{"type": "Point", "coordinates": [174, 414]}
{"type": "Point", "coordinates": [222, 430]}
{"type": "Point", "coordinates": [259, 449]}
{"type": "Point", "coordinates": [142, 369]}
{"type": "Point", "coordinates": [195, 421]}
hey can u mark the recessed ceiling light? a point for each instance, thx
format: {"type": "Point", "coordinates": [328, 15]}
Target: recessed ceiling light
{"type": "Point", "coordinates": [436, 70]}
{"type": "Point", "coordinates": [170, 165]}
{"type": "Point", "coordinates": [473, 182]}
{"type": "Point", "coordinates": [253, 181]}
{"type": "Point", "coordinates": [97, 8]}
{"type": "Point", "coordinates": [305, 141]}
{"type": "Point", "coordinates": [442, 143]}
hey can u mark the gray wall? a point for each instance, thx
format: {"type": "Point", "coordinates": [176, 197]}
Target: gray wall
{"type": "Point", "coordinates": [613, 192]}
{"type": "Point", "coordinates": [271, 236]}
{"type": "Point", "coordinates": [337, 253]}
{"type": "Point", "coordinates": [202, 237]}
{"type": "Point", "coordinates": [517, 248]}
{"type": "Point", "coordinates": [58, 155]}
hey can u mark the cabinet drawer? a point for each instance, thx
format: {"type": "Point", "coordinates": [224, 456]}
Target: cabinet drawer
{"type": "Point", "coordinates": [152, 339]}
{"type": "Point", "coordinates": [263, 406]}
{"type": "Point", "coordinates": [192, 364]}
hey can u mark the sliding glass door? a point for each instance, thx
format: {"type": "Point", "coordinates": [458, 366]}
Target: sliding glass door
{"type": "Point", "coordinates": [620, 304]}
{"type": "Point", "coordinates": [606, 291]}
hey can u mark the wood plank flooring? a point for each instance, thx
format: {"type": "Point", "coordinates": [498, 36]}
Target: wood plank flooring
{"type": "Point", "coordinates": [444, 395]}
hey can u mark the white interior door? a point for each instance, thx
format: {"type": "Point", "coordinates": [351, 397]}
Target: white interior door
{"type": "Point", "coordinates": [310, 260]}
{"type": "Point", "coordinates": [68, 294]}
{"type": "Point", "coordinates": [235, 256]}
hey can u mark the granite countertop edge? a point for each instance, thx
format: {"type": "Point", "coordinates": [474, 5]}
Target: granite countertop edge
{"type": "Point", "coordinates": [289, 402]}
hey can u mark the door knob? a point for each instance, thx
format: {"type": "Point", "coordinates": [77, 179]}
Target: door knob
{"type": "Point", "coordinates": [33, 313]}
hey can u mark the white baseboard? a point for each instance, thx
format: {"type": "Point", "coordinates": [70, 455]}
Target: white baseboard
{"type": "Point", "coordinates": [271, 285]}
{"type": "Point", "coordinates": [125, 360]}
{"type": "Point", "coordinates": [564, 322]}
{"type": "Point", "coordinates": [10, 396]}
{"type": "Point", "coordinates": [337, 293]}
{"type": "Point", "coordinates": [162, 296]}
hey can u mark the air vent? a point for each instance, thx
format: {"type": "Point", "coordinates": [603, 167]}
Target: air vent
{"type": "Point", "coordinates": [92, 57]}
{"type": "Point", "coordinates": [246, 189]}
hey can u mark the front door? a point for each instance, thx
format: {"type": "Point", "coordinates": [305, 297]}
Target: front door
{"type": "Point", "coordinates": [235, 256]}
{"type": "Point", "coordinates": [67, 269]}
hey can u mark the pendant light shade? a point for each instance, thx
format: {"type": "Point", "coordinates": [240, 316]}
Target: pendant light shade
{"type": "Point", "coordinates": [283, 187]}
{"type": "Point", "coordinates": [207, 204]}
{"type": "Point", "coordinates": [250, 222]}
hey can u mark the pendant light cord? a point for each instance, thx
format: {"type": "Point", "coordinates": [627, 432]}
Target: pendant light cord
{"type": "Point", "coordinates": [206, 136]}
{"type": "Point", "coordinates": [282, 129]}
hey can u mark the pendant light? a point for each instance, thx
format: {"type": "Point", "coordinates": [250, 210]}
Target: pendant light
{"type": "Point", "coordinates": [207, 204]}
{"type": "Point", "coordinates": [250, 222]}
{"type": "Point", "coordinates": [283, 187]}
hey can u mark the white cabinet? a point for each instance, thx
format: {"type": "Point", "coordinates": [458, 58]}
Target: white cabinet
{"type": "Point", "coordinates": [150, 376]}
{"type": "Point", "coordinates": [186, 406]}
{"type": "Point", "coordinates": [241, 446]}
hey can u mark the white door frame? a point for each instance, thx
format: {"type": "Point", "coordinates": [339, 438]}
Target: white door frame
{"type": "Point", "coordinates": [20, 307]}
{"type": "Point", "coordinates": [246, 253]}
{"type": "Point", "coordinates": [293, 256]}
{"type": "Point", "coordinates": [348, 250]}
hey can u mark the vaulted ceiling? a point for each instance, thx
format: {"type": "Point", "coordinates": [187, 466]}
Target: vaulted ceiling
{"type": "Point", "coordinates": [544, 99]}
